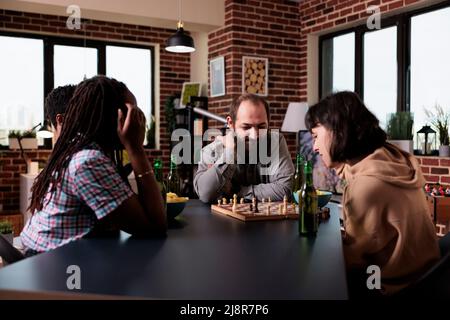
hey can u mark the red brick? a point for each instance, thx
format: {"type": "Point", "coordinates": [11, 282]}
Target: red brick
{"type": "Point", "coordinates": [445, 162]}
{"type": "Point", "coordinates": [40, 22]}
{"type": "Point", "coordinates": [345, 12]}
{"type": "Point", "coordinates": [433, 179]}
{"type": "Point", "coordinates": [439, 171]}
{"type": "Point", "coordinates": [430, 162]}
{"type": "Point", "coordinates": [20, 20]}
{"type": "Point", "coordinates": [13, 25]}
{"type": "Point", "coordinates": [359, 8]}
{"type": "Point", "coordinates": [445, 179]}
{"type": "Point", "coordinates": [49, 29]}
{"type": "Point", "coordinates": [425, 169]}
{"type": "Point", "coordinates": [352, 17]}
{"type": "Point", "coordinates": [396, 5]}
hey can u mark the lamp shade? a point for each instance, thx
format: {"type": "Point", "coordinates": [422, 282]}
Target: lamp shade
{"type": "Point", "coordinates": [44, 133]}
{"type": "Point", "coordinates": [180, 42]}
{"type": "Point", "coordinates": [294, 120]}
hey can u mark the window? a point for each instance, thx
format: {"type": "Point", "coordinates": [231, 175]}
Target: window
{"type": "Point", "coordinates": [404, 66]}
{"type": "Point", "coordinates": [73, 64]}
{"type": "Point", "coordinates": [21, 83]}
{"type": "Point", "coordinates": [338, 64]}
{"type": "Point", "coordinates": [32, 65]}
{"type": "Point", "coordinates": [430, 63]}
{"type": "Point", "coordinates": [380, 72]}
{"type": "Point", "coordinates": [132, 66]}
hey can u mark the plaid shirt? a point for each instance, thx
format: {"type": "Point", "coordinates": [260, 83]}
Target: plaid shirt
{"type": "Point", "coordinates": [90, 190]}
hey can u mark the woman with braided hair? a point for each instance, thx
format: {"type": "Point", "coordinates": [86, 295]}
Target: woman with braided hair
{"type": "Point", "coordinates": [83, 185]}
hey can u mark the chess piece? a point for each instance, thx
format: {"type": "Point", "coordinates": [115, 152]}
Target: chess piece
{"type": "Point", "coordinates": [256, 205]}
{"type": "Point", "coordinates": [231, 201]}
{"type": "Point", "coordinates": [268, 210]}
{"type": "Point", "coordinates": [269, 200]}
{"type": "Point", "coordinates": [325, 213]}
{"type": "Point", "coordinates": [219, 202]}
{"type": "Point", "coordinates": [262, 200]}
{"type": "Point", "coordinates": [234, 199]}
{"type": "Point", "coordinates": [293, 207]}
{"type": "Point", "coordinates": [251, 208]}
{"type": "Point", "coordinates": [242, 200]}
{"type": "Point", "coordinates": [280, 209]}
{"type": "Point", "coordinates": [224, 200]}
{"type": "Point", "coordinates": [233, 208]}
{"type": "Point", "coordinates": [285, 203]}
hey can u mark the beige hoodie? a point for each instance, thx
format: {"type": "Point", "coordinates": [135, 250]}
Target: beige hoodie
{"type": "Point", "coordinates": [386, 218]}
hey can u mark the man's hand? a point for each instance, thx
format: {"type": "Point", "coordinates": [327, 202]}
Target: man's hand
{"type": "Point", "coordinates": [227, 140]}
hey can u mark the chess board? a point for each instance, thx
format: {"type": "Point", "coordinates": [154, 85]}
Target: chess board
{"type": "Point", "coordinates": [244, 213]}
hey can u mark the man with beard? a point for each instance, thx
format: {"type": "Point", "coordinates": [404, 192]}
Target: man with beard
{"type": "Point", "coordinates": [249, 161]}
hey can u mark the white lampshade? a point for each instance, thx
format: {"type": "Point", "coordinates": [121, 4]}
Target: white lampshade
{"type": "Point", "coordinates": [294, 120]}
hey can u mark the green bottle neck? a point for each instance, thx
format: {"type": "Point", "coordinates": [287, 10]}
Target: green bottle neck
{"type": "Point", "coordinates": [158, 174]}
{"type": "Point", "coordinates": [299, 162]}
{"type": "Point", "coordinates": [309, 180]}
{"type": "Point", "coordinates": [308, 171]}
{"type": "Point", "coordinates": [157, 169]}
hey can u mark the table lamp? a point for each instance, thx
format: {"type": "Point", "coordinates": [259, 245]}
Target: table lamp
{"type": "Point", "coordinates": [294, 120]}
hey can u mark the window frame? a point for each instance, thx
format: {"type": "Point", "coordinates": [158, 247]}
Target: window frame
{"type": "Point", "coordinates": [403, 23]}
{"type": "Point", "coordinates": [100, 45]}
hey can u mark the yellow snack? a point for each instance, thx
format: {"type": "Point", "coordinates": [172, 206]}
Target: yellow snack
{"type": "Point", "coordinates": [174, 198]}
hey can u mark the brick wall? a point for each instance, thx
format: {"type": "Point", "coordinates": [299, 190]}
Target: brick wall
{"type": "Point", "coordinates": [435, 169]}
{"type": "Point", "coordinates": [267, 29]}
{"type": "Point", "coordinates": [174, 70]}
{"type": "Point", "coordinates": [11, 166]}
{"type": "Point", "coordinates": [278, 30]}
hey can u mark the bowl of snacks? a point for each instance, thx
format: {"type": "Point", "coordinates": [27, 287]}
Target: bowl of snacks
{"type": "Point", "coordinates": [175, 204]}
{"type": "Point", "coordinates": [323, 197]}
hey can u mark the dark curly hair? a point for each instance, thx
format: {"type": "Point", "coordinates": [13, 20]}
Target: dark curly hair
{"type": "Point", "coordinates": [57, 101]}
{"type": "Point", "coordinates": [356, 130]}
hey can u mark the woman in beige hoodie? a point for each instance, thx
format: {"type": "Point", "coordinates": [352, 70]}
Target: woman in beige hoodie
{"type": "Point", "coordinates": [386, 217]}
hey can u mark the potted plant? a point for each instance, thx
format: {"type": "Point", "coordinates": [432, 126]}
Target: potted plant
{"type": "Point", "coordinates": [439, 119]}
{"type": "Point", "coordinates": [6, 230]}
{"type": "Point", "coordinates": [27, 139]}
{"type": "Point", "coordinates": [399, 130]}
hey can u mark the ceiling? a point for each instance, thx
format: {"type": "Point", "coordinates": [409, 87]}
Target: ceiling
{"type": "Point", "coordinates": [158, 13]}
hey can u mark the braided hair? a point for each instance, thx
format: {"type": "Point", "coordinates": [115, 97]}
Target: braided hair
{"type": "Point", "coordinates": [91, 117]}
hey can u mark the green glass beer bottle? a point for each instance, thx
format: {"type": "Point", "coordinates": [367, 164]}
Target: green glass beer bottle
{"type": "Point", "coordinates": [173, 179]}
{"type": "Point", "coordinates": [299, 178]}
{"type": "Point", "coordinates": [308, 222]}
{"type": "Point", "coordinates": [157, 168]}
